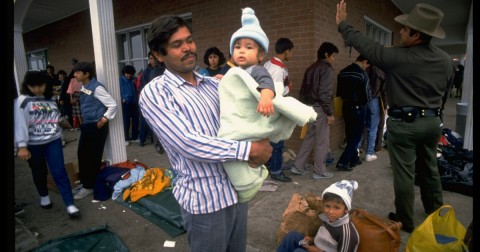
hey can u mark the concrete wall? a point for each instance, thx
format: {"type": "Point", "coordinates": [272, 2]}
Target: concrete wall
{"type": "Point", "coordinates": [306, 23]}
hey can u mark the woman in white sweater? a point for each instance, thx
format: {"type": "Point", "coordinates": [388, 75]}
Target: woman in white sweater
{"type": "Point", "coordinates": [38, 138]}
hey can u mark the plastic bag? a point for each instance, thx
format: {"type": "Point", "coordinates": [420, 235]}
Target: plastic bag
{"type": "Point", "coordinates": [441, 231]}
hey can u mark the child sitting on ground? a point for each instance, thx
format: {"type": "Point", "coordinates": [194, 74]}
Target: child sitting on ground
{"type": "Point", "coordinates": [337, 232]}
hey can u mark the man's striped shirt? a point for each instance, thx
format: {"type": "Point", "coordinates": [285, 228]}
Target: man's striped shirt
{"type": "Point", "coordinates": [186, 120]}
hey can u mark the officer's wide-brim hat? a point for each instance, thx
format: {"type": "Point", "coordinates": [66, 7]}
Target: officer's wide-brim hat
{"type": "Point", "coordinates": [424, 18]}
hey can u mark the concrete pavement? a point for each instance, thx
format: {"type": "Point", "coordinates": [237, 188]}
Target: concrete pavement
{"type": "Point", "coordinates": [375, 194]}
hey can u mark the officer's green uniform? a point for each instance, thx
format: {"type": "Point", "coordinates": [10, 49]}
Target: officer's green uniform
{"type": "Point", "coordinates": [416, 79]}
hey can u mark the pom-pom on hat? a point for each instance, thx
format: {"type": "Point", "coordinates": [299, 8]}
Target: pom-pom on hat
{"type": "Point", "coordinates": [250, 29]}
{"type": "Point", "coordinates": [344, 189]}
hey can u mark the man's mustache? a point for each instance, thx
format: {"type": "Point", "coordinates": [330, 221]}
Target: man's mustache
{"type": "Point", "coordinates": [188, 55]}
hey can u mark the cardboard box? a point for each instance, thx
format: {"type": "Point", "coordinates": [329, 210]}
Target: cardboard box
{"type": "Point", "coordinates": [72, 172]}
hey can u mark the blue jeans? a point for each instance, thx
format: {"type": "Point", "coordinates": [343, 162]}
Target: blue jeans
{"type": "Point", "coordinates": [275, 163]}
{"type": "Point", "coordinates": [223, 230]}
{"type": "Point", "coordinates": [290, 242]}
{"type": "Point", "coordinates": [52, 154]}
{"type": "Point", "coordinates": [372, 119]}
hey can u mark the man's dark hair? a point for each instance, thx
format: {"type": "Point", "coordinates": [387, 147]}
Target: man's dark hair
{"type": "Point", "coordinates": [162, 29]}
{"type": "Point", "coordinates": [283, 44]}
{"type": "Point", "coordinates": [85, 67]}
{"type": "Point", "coordinates": [216, 51]}
{"type": "Point", "coordinates": [51, 67]}
{"type": "Point", "coordinates": [425, 38]}
{"type": "Point", "coordinates": [361, 58]}
{"type": "Point", "coordinates": [128, 69]}
{"type": "Point", "coordinates": [62, 72]}
{"type": "Point", "coordinates": [326, 47]}
{"type": "Point", "coordinates": [37, 78]}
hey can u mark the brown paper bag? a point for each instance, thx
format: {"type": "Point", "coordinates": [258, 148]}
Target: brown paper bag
{"type": "Point", "coordinates": [301, 215]}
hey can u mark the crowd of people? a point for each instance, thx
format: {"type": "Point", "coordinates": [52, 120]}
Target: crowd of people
{"type": "Point", "coordinates": [178, 103]}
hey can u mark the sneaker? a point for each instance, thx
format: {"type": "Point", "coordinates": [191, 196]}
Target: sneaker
{"type": "Point", "coordinates": [80, 186]}
{"type": "Point", "coordinates": [136, 141]}
{"type": "Point", "coordinates": [297, 171]}
{"type": "Point", "coordinates": [370, 157]}
{"type": "Point", "coordinates": [73, 211]}
{"type": "Point", "coordinates": [323, 176]}
{"type": "Point", "coordinates": [127, 143]}
{"type": "Point", "coordinates": [82, 193]}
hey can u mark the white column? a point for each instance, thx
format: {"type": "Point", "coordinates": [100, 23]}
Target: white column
{"type": "Point", "coordinates": [20, 66]}
{"type": "Point", "coordinates": [467, 93]}
{"type": "Point", "coordinates": [105, 49]}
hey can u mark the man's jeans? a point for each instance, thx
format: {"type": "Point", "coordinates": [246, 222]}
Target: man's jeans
{"type": "Point", "coordinates": [275, 163]}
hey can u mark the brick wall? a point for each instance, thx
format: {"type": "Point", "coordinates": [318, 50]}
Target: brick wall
{"type": "Point", "coordinates": [65, 39]}
{"type": "Point", "coordinates": [307, 23]}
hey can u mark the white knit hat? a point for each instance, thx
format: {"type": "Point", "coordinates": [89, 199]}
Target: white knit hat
{"type": "Point", "coordinates": [250, 29]}
{"type": "Point", "coordinates": [343, 189]}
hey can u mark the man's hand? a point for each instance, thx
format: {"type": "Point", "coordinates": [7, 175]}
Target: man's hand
{"type": "Point", "coordinates": [102, 122]}
{"type": "Point", "coordinates": [341, 12]}
{"type": "Point", "coordinates": [260, 153]}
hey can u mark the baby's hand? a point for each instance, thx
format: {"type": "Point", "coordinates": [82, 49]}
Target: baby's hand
{"type": "Point", "coordinates": [265, 107]}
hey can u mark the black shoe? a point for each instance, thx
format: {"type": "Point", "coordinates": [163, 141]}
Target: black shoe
{"type": "Point", "coordinates": [358, 162]}
{"type": "Point", "coordinates": [280, 177]}
{"type": "Point", "coordinates": [393, 217]}
{"type": "Point", "coordinates": [47, 206]}
{"type": "Point", "coordinates": [344, 167]}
